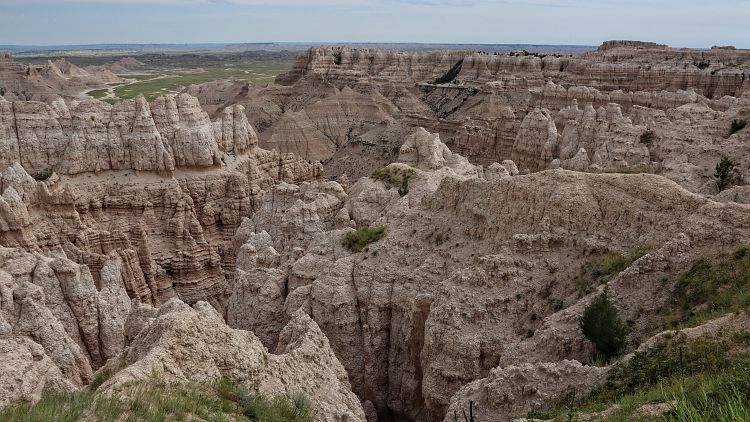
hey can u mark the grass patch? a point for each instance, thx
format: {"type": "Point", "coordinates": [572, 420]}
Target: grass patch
{"type": "Point", "coordinates": [601, 270]}
{"type": "Point", "coordinates": [711, 288]}
{"type": "Point", "coordinates": [707, 377]}
{"type": "Point", "coordinates": [259, 407]}
{"type": "Point", "coordinates": [157, 401]}
{"type": "Point", "coordinates": [98, 93]}
{"type": "Point", "coordinates": [100, 378]}
{"type": "Point", "coordinates": [357, 240]}
{"type": "Point", "coordinates": [154, 85]}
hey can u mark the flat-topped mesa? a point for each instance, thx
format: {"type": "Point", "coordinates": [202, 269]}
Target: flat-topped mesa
{"type": "Point", "coordinates": [608, 45]}
{"type": "Point", "coordinates": [617, 65]}
{"type": "Point", "coordinates": [93, 136]}
{"type": "Point", "coordinates": [347, 65]}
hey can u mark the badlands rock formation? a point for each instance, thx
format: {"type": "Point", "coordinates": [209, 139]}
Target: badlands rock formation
{"type": "Point", "coordinates": [132, 216]}
{"type": "Point", "coordinates": [158, 184]}
{"type": "Point", "coordinates": [55, 79]}
{"type": "Point", "coordinates": [583, 112]}
{"type": "Point", "coordinates": [194, 344]}
{"type": "Point", "coordinates": [142, 238]}
{"type": "Point", "coordinates": [453, 293]}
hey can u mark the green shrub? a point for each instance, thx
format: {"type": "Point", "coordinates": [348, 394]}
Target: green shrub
{"type": "Point", "coordinates": [393, 177]}
{"type": "Point", "coordinates": [601, 324]}
{"type": "Point", "coordinates": [100, 378]}
{"type": "Point", "coordinates": [648, 137]}
{"type": "Point", "coordinates": [403, 190]}
{"type": "Point", "coordinates": [725, 173]}
{"type": "Point", "coordinates": [738, 125]}
{"type": "Point", "coordinates": [363, 236]}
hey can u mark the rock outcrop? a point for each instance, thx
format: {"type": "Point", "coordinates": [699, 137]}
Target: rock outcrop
{"type": "Point", "coordinates": [184, 344]}
{"type": "Point", "coordinates": [338, 100]}
{"type": "Point", "coordinates": [50, 81]}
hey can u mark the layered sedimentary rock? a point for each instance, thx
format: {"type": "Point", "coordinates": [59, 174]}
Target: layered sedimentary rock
{"type": "Point", "coordinates": [454, 292]}
{"type": "Point", "coordinates": [49, 81]}
{"type": "Point", "coordinates": [185, 344]}
{"type": "Point", "coordinates": [483, 106]}
{"type": "Point", "coordinates": [160, 185]}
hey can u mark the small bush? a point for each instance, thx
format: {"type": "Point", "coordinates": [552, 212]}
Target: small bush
{"type": "Point", "coordinates": [725, 173]}
{"type": "Point", "coordinates": [403, 190]}
{"type": "Point", "coordinates": [100, 378]}
{"type": "Point", "coordinates": [393, 177]}
{"type": "Point", "coordinates": [648, 137]}
{"type": "Point", "coordinates": [738, 125]}
{"type": "Point", "coordinates": [363, 236]}
{"type": "Point", "coordinates": [601, 324]}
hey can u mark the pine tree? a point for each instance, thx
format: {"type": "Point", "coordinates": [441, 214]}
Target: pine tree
{"type": "Point", "coordinates": [601, 324]}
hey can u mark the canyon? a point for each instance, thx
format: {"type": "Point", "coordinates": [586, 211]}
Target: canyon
{"type": "Point", "coordinates": [203, 235]}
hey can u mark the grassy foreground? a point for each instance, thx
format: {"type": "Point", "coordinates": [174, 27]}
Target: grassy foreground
{"type": "Point", "coordinates": [700, 379]}
{"type": "Point", "coordinates": [156, 401]}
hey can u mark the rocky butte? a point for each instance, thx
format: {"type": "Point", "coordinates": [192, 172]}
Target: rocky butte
{"type": "Point", "coordinates": [394, 235]}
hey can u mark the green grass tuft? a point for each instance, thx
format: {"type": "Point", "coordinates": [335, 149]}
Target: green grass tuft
{"type": "Point", "coordinates": [156, 401]}
{"type": "Point", "coordinates": [711, 288]}
{"type": "Point", "coordinates": [363, 236]}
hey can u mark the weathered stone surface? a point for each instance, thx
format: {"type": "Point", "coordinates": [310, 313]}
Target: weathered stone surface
{"type": "Point", "coordinates": [454, 288]}
{"type": "Point", "coordinates": [185, 344]}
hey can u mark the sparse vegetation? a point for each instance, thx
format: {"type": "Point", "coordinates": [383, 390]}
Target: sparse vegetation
{"type": "Point", "coordinates": [601, 324]}
{"type": "Point", "coordinates": [725, 173]}
{"type": "Point", "coordinates": [648, 137]}
{"type": "Point", "coordinates": [358, 239]}
{"type": "Point", "coordinates": [738, 125]}
{"type": "Point", "coordinates": [711, 288]}
{"type": "Point", "coordinates": [706, 378]}
{"type": "Point", "coordinates": [600, 270]}
{"type": "Point", "coordinates": [261, 408]}
{"type": "Point", "coordinates": [155, 400]}
{"type": "Point", "coordinates": [393, 177]}
{"type": "Point", "coordinates": [100, 378]}
{"type": "Point", "coordinates": [156, 84]}
{"type": "Point", "coordinates": [98, 93]}
{"type": "Point", "coordinates": [403, 190]}
{"type": "Point", "coordinates": [636, 169]}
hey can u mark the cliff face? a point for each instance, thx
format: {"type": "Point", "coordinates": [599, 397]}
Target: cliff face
{"type": "Point", "coordinates": [337, 99]}
{"type": "Point", "coordinates": [160, 185]}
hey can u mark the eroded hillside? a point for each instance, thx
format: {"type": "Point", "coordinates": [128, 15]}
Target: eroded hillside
{"type": "Point", "coordinates": [467, 211]}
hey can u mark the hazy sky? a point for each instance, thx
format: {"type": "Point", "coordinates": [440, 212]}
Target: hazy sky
{"type": "Point", "coordinates": [676, 22]}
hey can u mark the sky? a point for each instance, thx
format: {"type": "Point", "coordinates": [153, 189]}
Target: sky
{"type": "Point", "coordinates": [680, 23]}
